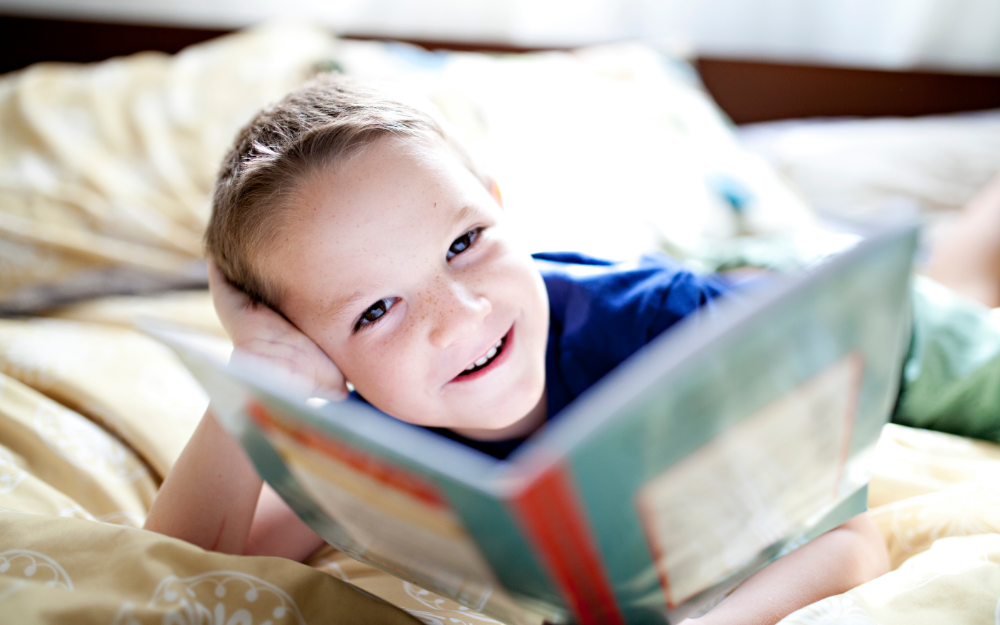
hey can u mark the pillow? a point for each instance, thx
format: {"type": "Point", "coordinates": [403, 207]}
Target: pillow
{"type": "Point", "coordinates": [106, 170]}
{"type": "Point", "coordinates": [610, 150]}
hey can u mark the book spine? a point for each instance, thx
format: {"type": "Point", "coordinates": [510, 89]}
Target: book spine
{"type": "Point", "coordinates": [552, 516]}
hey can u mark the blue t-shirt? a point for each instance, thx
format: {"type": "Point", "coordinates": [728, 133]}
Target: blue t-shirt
{"type": "Point", "coordinates": [600, 313]}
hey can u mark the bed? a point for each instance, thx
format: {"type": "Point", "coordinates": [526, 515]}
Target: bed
{"type": "Point", "coordinates": [106, 171]}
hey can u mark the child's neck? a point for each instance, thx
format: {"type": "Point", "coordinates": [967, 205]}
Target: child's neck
{"type": "Point", "coordinates": [521, 428]}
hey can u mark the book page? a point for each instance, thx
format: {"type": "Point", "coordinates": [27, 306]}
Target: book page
{"type": "Point", "coordinates": [398, 520]}
{"type": "Point", "coordinates": [741, 492]}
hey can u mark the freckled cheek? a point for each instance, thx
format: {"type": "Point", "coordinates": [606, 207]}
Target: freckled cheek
{"type": "Point", "coordinates": [384, 369]}
{"type": "Point", "coordinates": [508, 281]}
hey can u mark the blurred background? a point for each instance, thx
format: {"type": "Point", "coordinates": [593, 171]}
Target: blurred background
{"type": "Point", "coordinates": [760, 59]}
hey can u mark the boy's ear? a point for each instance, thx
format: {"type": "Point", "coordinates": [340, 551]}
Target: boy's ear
{"type": "Point", "coordinates": [494, 188]}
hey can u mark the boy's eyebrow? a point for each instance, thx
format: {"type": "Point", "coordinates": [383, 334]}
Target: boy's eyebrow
{"type": "Point", "coordinates": [338, 307]}
{"type": "Point", "coordinates": [461, 216]}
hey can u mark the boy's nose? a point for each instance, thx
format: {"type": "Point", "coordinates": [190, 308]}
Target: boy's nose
{"type": "Point", "coordinates": [458, 315]}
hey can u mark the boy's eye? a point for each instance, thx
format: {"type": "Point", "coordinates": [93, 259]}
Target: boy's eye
{"type": "Point", "coordinates": [375, 312]}
{"type": "Point", "coordinates": [462, 243]}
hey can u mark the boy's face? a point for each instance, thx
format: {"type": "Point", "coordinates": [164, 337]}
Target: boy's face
{"type": "Point", "coordinates": [396, 263]}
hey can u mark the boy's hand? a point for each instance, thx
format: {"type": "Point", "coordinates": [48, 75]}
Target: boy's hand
{"type": "Point", "coordinates": [831, 564]}
{"type": "Point", "coordinates": [212, 496]}
{"type": "Point", "coordinates": [259, 330]}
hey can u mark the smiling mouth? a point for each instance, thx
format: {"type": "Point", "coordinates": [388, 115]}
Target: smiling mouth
{"type": "Point", "coordinates": [486, 358]}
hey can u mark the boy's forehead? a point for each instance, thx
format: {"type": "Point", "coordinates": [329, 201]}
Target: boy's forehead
{"type": "Point", "coordinates": [383, 212]}
{"type": "Point", "coordinates": [406, 180]}
{"type": "Point", "coordinates": [388, 196]}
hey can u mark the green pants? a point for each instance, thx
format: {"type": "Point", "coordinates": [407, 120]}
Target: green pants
{"type": "Point", "coordinates": [951, 378]}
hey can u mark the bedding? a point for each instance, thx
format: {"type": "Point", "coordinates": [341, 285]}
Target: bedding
{"type": "Point", "coordinates": [884, 168]}
{"type": "Point", "coordinates": [106, 170]}
{"type": "Point", "coordinates": [105, 173]}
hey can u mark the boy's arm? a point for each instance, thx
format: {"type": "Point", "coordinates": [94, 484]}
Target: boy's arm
{"type": "Point", "coordinates": [209, 496]}
{"type": "Point", "coordinates": [831, 564]}
{"type": "Point", "coordinates": [212, 496]}
{"type": "Point", "coordinates": [967, 258]}
{"type": "Point", "coordinates": [277, 531]}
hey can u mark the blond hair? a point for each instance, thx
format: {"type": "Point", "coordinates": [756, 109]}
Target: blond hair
{"type": "Point", "coordinates": [329, 118]}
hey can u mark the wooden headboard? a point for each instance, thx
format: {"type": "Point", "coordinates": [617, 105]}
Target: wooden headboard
{"type": "Point", "coordinates": [748, 91]}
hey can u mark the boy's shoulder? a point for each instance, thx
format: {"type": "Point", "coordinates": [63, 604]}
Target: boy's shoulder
{"type": "Point", "coordinates": [602, 312]}
{"type": "Point", "coordinates": [651, 280]}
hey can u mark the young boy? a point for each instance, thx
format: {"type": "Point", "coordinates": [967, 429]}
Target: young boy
{"type": "Point", "coordinates": [385, 252]}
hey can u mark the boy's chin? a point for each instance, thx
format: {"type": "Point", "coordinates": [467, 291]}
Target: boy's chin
{"type": "Point", "coordinates": [516, 427]}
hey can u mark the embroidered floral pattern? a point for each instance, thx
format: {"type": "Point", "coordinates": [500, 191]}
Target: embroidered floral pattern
{"type": "Point", "coordinates": [34, 566]}
{"type": "Point", "coordinates": [215, 598]}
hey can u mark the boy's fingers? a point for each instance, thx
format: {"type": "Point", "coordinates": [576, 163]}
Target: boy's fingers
{"type": "Point", "coordinates": [296, 353]}
{"type": "Point", "coordinates": [245, 321]}
{"type": "Point", "coordinates": [324, 378]}
{"type": "Point", "coordinates": [229, 301]}
{"type": "Point", "coordinates": [330, 383]}
{"type": "Point", "coordinates": [260, 331]}
{"type": "Point", "coordinates": [329, 394]}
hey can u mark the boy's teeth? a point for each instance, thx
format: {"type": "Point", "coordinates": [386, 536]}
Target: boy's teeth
{"type": "Point", "coordinates": [489, 356]}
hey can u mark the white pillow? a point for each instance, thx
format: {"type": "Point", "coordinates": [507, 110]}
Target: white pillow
{"type": "Point", "coordinates": [610, 150]}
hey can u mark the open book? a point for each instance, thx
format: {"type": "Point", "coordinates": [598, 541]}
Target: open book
{"type": "Point", "coordinates": [723, 444]}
